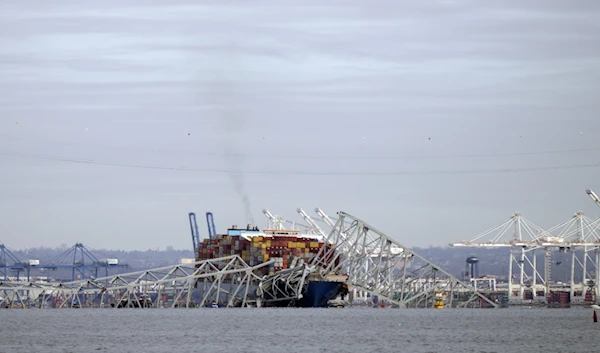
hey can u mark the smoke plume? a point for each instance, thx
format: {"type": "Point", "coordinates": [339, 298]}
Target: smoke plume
{"type": "Point", "coordinates": [227, 98]}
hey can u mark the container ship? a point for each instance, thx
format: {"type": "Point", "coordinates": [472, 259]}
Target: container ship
{"type": "Point", "coordinates": [287, 247]}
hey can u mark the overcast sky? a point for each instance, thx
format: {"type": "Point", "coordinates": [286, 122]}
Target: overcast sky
{"type": "Point", "coordinates": [431, 120]}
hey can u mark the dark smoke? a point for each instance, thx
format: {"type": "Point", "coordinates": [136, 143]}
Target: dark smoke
{"type": "Point", "coordinates": [238, 184]}
{"type": "Point", "coordinates": [226, 96]}
{"type": "Point", "coordinates": [236, 160]}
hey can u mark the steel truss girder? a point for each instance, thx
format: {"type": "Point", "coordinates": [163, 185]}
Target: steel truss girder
{"type": "Point", "coordinates": [228, 281]}
{"type": "Point", "coordinates": [379, 265]}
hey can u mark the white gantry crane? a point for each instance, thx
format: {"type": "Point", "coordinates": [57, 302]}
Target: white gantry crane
{"type": "Point", "coordinates": [579, 236]}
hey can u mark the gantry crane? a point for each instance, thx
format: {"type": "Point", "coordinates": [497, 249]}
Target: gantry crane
{"type": "Point", "coordinates": [82, 263]}
{"type": "Point", "coordinates": [7, 257]}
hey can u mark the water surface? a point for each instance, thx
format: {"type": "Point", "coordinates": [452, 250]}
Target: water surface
{"type": "Point", "coordinates": [299, 330]}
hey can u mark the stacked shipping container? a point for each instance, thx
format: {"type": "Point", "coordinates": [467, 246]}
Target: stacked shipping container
{"type": "Point", "coordinates": [287, 248]}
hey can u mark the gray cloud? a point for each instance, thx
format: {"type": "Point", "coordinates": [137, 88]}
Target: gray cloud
{"type": "Point", "coordinates": [504, 77]}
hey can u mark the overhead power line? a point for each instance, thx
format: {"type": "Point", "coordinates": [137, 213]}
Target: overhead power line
{"type": "Point", "coordinates": [320, 156]}
{"type": "Point", "coordinates": [312, 172]}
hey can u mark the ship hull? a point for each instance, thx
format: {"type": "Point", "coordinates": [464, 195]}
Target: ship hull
{"type": "Point", "coordinates": [316, 295]}
{"type": "Point", "coordinates": [284, 250]}
{"type": "Point", "coordinates": [319, 293]}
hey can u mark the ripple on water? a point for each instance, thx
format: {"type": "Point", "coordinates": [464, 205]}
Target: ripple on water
{"type": "Point", "coordinates": [299, 330]}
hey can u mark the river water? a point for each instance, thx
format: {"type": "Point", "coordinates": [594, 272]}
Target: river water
{"type": "Point", "coordinates": [265, 330]}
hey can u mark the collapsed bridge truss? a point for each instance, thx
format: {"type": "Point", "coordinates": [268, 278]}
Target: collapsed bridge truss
{"type": "Point", "coordinates": [379, 265]}
{"type": "Point", "coordinates": [226, 281]}
{"type": "Point", "coordinates": [373, 262]}
{"type": "Point", "coordinates": [284, 287]}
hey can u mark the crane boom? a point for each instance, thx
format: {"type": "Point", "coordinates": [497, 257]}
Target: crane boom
{"type": "Point", "coordinates": [325, 217]}
{"type": "Point", "coordinates": [593, 196]}
{"type": "Point", "coordinates": [269, 215]}
{"type": "Point", "coordinates": [330, 222]}
{"type": "Point", "coordinates": [195, 233]}
{"type": "Point", "coordinates": [274, 222]}
{"type": "Point", "coordinates": [312, 224]}
{"type": "Point", "coordinates": [210, 222]}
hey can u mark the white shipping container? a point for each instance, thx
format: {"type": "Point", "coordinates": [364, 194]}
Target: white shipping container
{"type": "Point", "coordinates": [34, 262]}
{"type": "Point", "coordinates": [186, 261]}
{"type": "Point", "coordinates": [112, 261]}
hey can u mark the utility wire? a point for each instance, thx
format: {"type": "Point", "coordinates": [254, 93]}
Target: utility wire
{"type": "Point", "coordinates": [335, 173]}
{"type": "Point", "coordinates": [320, 157]}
